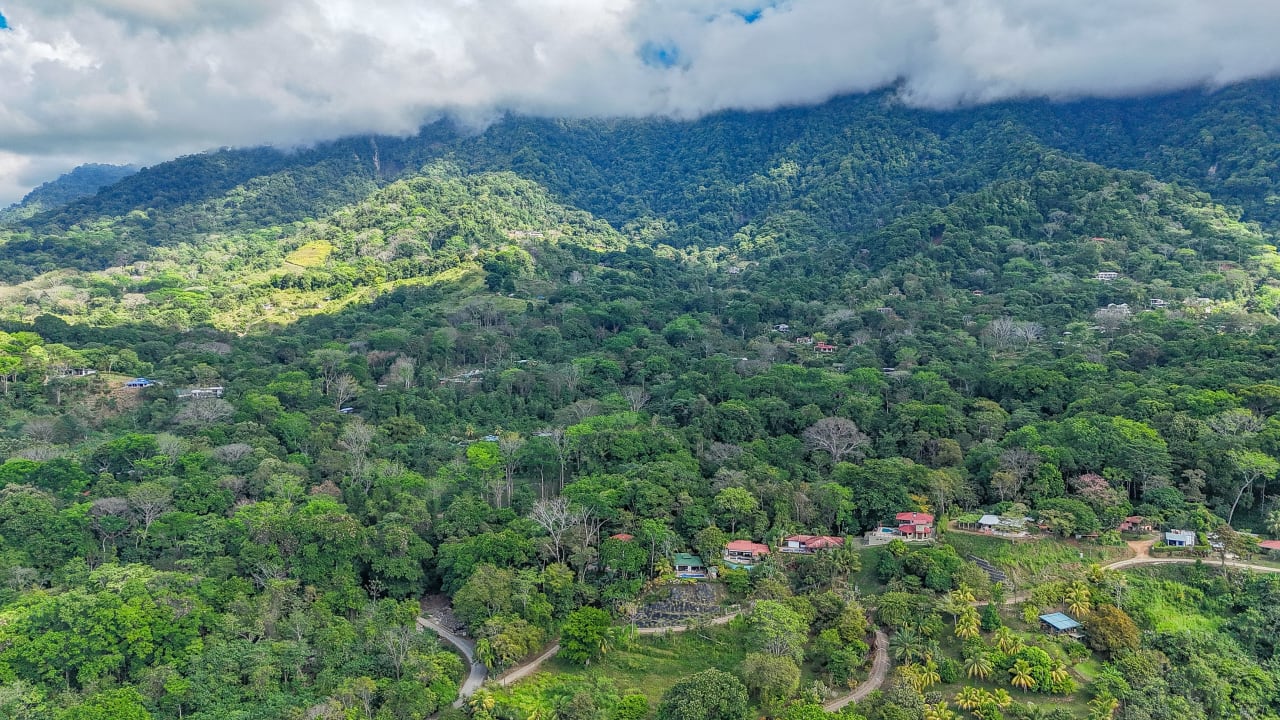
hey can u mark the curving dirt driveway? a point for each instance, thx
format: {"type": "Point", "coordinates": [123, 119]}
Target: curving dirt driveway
{"type": "Point", "coordinates": [478, 673]}
{"type": "Point", "coordinates": [879, 673]}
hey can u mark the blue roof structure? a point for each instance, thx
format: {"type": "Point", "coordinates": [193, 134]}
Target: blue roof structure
{"type": "Point", "coordinates": [1060, 621]}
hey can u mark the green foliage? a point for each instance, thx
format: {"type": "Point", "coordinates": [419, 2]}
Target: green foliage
{"type": "Point", "coordinates": [708, 695]}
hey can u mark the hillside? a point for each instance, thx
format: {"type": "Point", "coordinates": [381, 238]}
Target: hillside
{"type": "Point", "coordinates": [84, 181]}
{"type": "Point", "coordinates": [518, 371]}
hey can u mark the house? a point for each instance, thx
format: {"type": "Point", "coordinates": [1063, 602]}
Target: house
{"type": "Point", "coordinates": [804, 341]}
{"type": "Point", "coordinates": [744, 553]}
{"type": "Point", "coordinates": [347, 410]}
{"type": "Point", "coordinates": [783, 327]}
{"type": "Point", "coordinates": [1158, 303]}
{"type": "Point", "coordinates": [689, 566]}
{"type": "Point", "coordinates": [1106, 276]}
{"type": "Point", "coordinates": [735, 270]}
{"type": "Point", "coordinates": [824, 348]}
{"type": "Point", "coordinates": [1269, 545]}
{"type": "Point", "coordinates": [885, 310]}
{"type": "Point", "coordinates": [1061, 624]}
{"type": "Point", "coordinates": [988, 522]}
{"type": "Point", "coordinates": [1180, 538]}
{"type": "Point", "coordinates": [1135, 524]}
{"type": "Point", "coordinates": [809, 544]}
{"type": "Point", "coordinates": [915, 525]}
{"type": "Point", "coordinates": [623, 537]}
{"type": "Point", "coordinates": [140, 383]}
{"type": "Point", "coordinates": [978, 293]}
{"type": "Point", "coordinates": [78, 372]}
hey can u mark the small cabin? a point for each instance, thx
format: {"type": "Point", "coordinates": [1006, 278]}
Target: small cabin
{"type": "Point", "coordinates": [1135, 524]}
{"type": "Point", "coordinates": [140, 383]}
{"type": "Point", "coordinates": [1158, 303]}
{"type": "Point", "coordinates": [1106, 276]}
{"type": "Point", "coordinates": [783, 327]}
{"type": "Point", "coordinates": [1061, 624]}
{"type": "Point", "coordinates": [689, 566]}
{"type": "Point", "coordinates": [1180, 538]}
{"type": "Point", "coordinates": [824, 348]}
{"type": "Point", "coordinates": [623, 537]}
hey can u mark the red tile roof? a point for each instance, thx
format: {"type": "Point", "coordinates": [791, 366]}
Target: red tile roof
{"type": "Point", "coordinates": [747, 546]}
{"type": "Point", "coordinates": [1269, 544]}
{"type": "Point", "coordinates": [816, 542]}
{"type": "Point", "coordinates": [624, 537]}
{"type": "Point", "coordinates": [915, 517]}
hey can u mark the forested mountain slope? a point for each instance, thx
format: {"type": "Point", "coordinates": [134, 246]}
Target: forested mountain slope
{"type": "Point", "coordinates": [81, 182]}
{"type": "Point", "coordinates": [460, 363]}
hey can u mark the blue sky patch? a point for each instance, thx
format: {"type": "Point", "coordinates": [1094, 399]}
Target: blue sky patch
{"type": "Point", "coordinates": [660, 55]}
{"type": "Point", "coordinates": [4, 24]}
{"type": "Point", "coordinates": [749, 16]}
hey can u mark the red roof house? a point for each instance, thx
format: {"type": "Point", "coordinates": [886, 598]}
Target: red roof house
{"type": "Point", "coordinates": [744, 552]}
{"type": "Point", "coordinates": [808, 544]}
{"type": "Point", "coordinates": [624, 537]}
{"type": "Point", "coordinates": [824, 347]}
{"type": "Point", "coordinates": [1269, 545]}
{"type": "Point", "coordinates": [915, 525]}
{"type": "Point", "coordinates": [1135, 523]}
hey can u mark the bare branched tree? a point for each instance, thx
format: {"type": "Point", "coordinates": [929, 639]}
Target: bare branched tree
{"type": "Point", "coordinates": [149, 501]}
{"type": "Point", "coordinates": [557, 518]}
{"type": "Point", "coordinates": [343, 389]}
{"type": "Point", "coordinates": [636, 397]}
{"type": "Point", "coordinates": [837, 436]}
{"type": "Point", "coordinates": [402, 372]}
{"type": "Point", "coordinates": [356, 439]}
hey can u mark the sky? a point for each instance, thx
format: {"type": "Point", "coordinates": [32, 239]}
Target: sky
{"type": "Point", "coordinates": [140, 81]}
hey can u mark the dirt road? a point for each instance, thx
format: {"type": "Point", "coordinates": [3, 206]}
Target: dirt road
{"type": "Point", "coordinates": [879, 673]}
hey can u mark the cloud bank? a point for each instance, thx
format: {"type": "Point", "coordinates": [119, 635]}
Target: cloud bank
{"type": "Point", "coordinates": [141, 80]}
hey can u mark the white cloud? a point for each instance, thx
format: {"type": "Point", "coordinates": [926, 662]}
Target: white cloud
{"type": "Point", "coordinates": [146, 79]}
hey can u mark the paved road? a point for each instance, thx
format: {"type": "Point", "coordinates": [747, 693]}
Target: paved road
{"type": "Point", "coordinates": [879, 673]}
{"type": "Point", "coordinates": [478, 672]}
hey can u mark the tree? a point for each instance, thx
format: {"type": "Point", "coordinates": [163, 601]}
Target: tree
{"type": "Point", "coordinates": [708, 695]}
{"type": "Point", "coordinates": [356, 439]}
{"type": "Point", "coordinates": [1252, 466]}
{"type": "Point", "coordinates": [777, 629]}
{"type": "Point", "coordinates": [149, 501]}
{"type": "Point", "coordinates": [771, 678]}
{"type": "Point", "coordinates": [1021, 675]}
{"type": "Point", "coordinates": [1079, 599]}
{"type": "Point", "coordinates": [736, 504]}
{"type": "Point", "coordinates": [978, 665]}
{"type": "Point", "coordinates": [837, 436]}
{"type": "Point", "coordinates": [585, 635]}
{"type": "Point", "coordinates": [557, 518]}
{"type": "Point", "coordinates": [1110, 629]}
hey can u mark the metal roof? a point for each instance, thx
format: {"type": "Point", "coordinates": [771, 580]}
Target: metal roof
{"type": "Point", "coordinates": [1060, 621]}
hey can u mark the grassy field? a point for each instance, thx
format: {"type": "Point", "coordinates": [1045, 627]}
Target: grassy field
{"type": "Point", "coordinates": [1034, 556]}
{"type": "Point", "coordinates": [654, 664]}
{"type": "Point", "coordinates": [310, 255]}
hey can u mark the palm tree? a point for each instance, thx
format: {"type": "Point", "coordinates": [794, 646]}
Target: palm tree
{"type": "Point", "coordinates": [1273, 523]}
{"type": "Point", "coordinates": [1079, 599]}
{"type": "Point", "coordinates": [907, 646]}
{"type": "Point", "coordinates": [1008, 641]}
{"type": "Point", "coordinates": [978, 665]}
{"type": "Point", "coordinates": [968, 628]}
{"type": "Point", "coordinates": [1002, 698]}
{"type": "Point", "coordinates": [929, 674]}
{"type": "Point", "coordinates": [970, 697]}
{"type": "Point", "coordinates": [1059, 674]}
{"type": "Point", "coordinates": [939, 712]}
{"type": "Point", "coordinates": [1021, 672]}
{"type": "Point", "coordinates": [1103, 707]}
